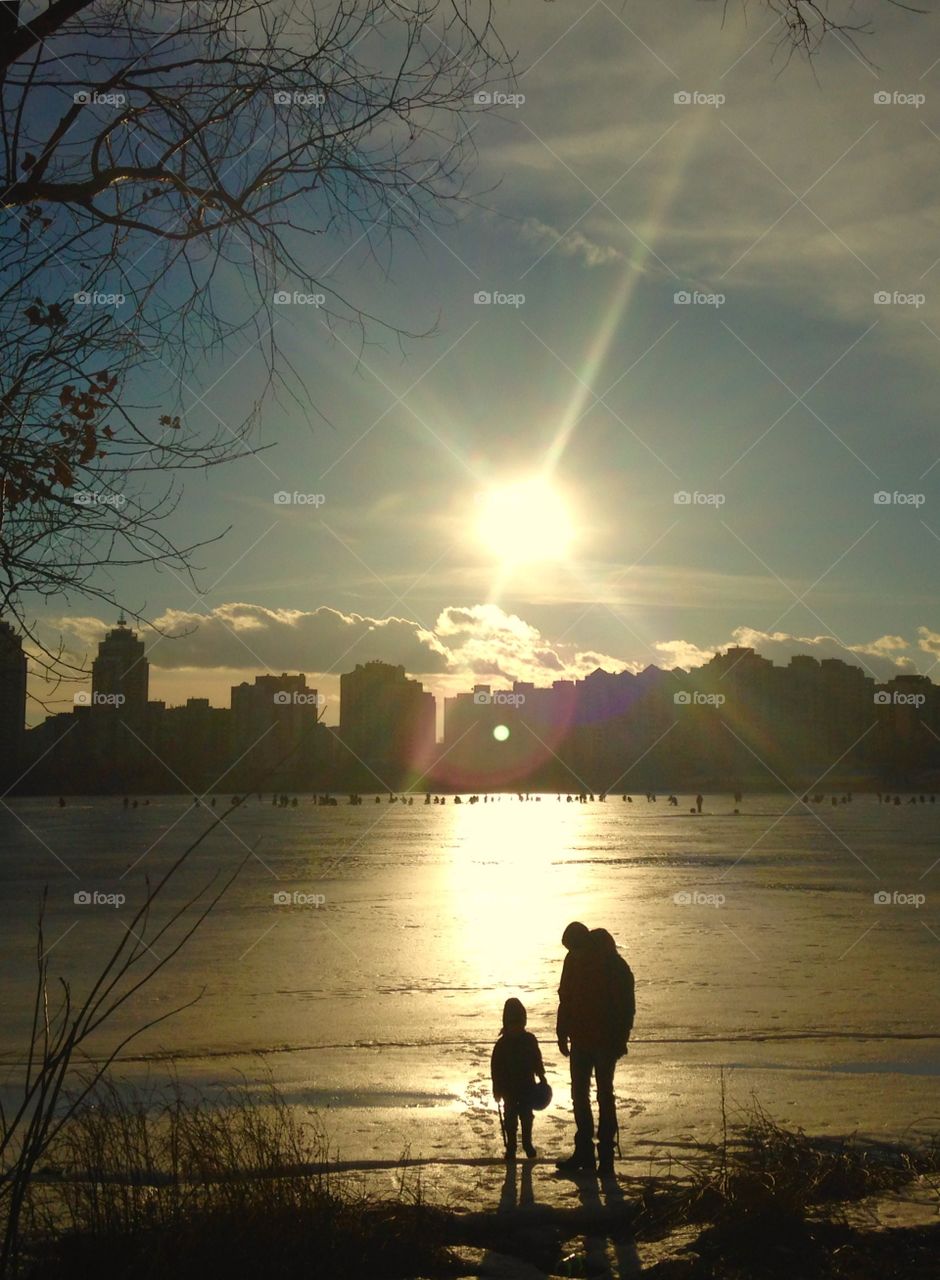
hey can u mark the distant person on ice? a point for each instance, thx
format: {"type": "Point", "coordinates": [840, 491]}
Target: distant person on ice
{"type": "Point", "coordinates": [515, 1067]}
{"type": "Point", "coordinates": [596, 1008]}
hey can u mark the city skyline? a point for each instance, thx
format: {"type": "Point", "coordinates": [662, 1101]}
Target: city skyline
{"type": "Point", "coordinates": [737, 721]}
{"type": "Point", "coordinates": [783, 652]}
{"type": "Point", "coordinates": [479, 627]}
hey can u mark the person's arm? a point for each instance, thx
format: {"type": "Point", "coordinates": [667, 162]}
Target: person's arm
{"type": "Point", "coordinates": [496, 1073]}
{"type": "Point", "coordinates": [561, 1019]}
{"type": "Point", "coordinates": [537, 1064]}
{"type": "Point", "coordinates": [625, 1003]}
{"type": "Point", "coordinates": [631, 998]}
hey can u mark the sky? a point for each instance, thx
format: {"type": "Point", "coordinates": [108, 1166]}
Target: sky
{"type": "Point", "coordinates": [713, 344]}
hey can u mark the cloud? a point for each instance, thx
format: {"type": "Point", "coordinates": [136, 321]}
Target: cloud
{"type": "Point", "coordinates": [573, 244]}
{"type": "Point", "coordinates": [681, 653]}
{"type": "Point", "coordinates": [485, 640]}
{"type": "Point", "coordinates": [250, 636]}
{"type": "Point", "coordinates": [880, 658]}
{"type": "Point", "coordinates": [468, 644]}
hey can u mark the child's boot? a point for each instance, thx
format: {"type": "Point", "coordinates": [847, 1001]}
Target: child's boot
{"type": "Point", "coordinates": [527, 1146]}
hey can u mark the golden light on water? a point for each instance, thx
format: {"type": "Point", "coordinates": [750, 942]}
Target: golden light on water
{"type": "Point", "coordinates": [502, 882]}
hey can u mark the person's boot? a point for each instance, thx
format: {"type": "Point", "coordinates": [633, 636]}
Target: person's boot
{"type": "Point", "coordinates": [605, 1161]}
{"type": "Point", "coordinates": [527, 1146]}
{"type": "Point", "coordinates": [581, 1162]}
{"type": "Point", "coordinates": [510, 1151]}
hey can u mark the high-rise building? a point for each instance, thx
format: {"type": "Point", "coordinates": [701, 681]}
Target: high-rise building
{"type": "Point", "coordinates": [386, 722]}
{"type": "Point", "coordinates": [120, 675]}
{"type": "Point", "coordinates": [277, 741]}
{"type": "Point", "coordinates": [12, 701]}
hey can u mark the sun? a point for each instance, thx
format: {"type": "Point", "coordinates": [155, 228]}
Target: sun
{"type": "Point", "coordinates": [525, 521]}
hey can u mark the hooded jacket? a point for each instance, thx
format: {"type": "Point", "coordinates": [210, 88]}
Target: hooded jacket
{"type": "Point", "coordinates": [596, 1000]}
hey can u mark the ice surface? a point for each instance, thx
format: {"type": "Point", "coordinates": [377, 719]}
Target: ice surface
{"type": "Point", "coordinates": [379, 1006]}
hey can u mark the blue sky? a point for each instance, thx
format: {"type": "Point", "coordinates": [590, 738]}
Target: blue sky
{"type": "Point", "coordinates": [795, 399]}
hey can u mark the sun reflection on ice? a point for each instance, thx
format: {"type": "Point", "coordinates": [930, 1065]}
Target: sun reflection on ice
{"type": "Point", "coordinates": [504, 889]}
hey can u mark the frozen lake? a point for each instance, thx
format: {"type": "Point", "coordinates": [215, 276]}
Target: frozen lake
{"type": "Point", "coordinates": [376, 994]}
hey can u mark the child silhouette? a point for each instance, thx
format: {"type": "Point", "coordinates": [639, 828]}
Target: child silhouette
{"type": "Point", "coordinates": [515, 1066]}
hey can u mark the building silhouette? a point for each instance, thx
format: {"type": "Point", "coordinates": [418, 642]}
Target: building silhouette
{"type": "Point", "coordinates": [386, 725]}
{"type": "Point", "coordinates": [275, 732]}
{"type": "Point", "coordinates": [120, 674]}
{"type": "Point", "coordinates": [12, 702]}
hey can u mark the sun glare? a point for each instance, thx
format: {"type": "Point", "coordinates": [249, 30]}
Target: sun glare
{"type": "Point", "coordinates": [525, 521]}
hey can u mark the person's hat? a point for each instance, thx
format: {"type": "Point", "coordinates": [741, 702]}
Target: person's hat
{"type": "Point", "coordinates": [576, 934]}
{"type": "Point", "coordinates": [514, 1014]}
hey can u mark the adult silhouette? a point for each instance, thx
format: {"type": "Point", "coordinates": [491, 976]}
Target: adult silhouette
{"type": "Point", "coordinates": [596, 1008]}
